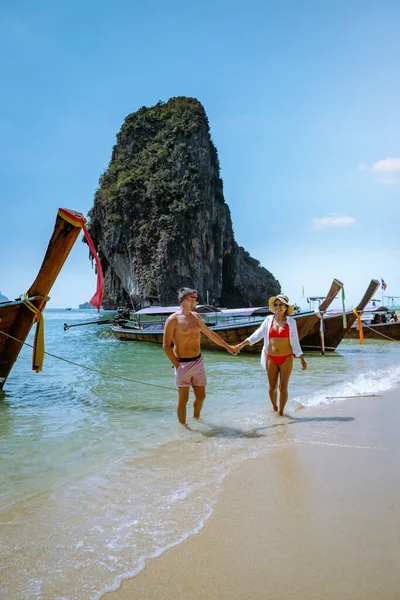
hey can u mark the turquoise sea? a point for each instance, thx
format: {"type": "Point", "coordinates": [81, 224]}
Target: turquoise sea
{"type": "Point", "coordinates": [96, 473]}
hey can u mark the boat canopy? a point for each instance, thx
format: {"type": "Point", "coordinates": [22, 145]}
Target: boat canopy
{"type": "Point", "coordinates": [246, 312]}
{"type": "Point", "coordinates": [367, 309]}
{"type": "Point", "coordinates": [169, 310]}
{"type": "Point", "coordinates": [376, 309]}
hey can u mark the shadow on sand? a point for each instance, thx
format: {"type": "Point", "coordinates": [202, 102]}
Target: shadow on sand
{"type": "Point", "coordinates": [225, 431]}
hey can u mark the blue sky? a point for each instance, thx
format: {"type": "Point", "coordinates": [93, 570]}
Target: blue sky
{"type": "Point", "coordinates": [303, 102]}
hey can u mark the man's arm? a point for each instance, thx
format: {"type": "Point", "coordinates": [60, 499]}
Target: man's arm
{"type": "Point", "coordinates": [214, 337]}
{"type": "Point", "coordinates": [168, 338]}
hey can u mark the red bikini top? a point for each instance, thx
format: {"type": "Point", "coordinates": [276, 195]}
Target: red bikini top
{"type": "Point", "coordinates": [283, 333]}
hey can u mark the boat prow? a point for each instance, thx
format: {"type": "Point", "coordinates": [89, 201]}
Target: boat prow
{"type": "Point", "coordinates": [18, 316]}
{"type": "Point", "coordinates": [334, 329]}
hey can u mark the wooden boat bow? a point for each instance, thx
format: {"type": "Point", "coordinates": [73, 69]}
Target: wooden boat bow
{"type": "Point", "coordinates": [16, 317]}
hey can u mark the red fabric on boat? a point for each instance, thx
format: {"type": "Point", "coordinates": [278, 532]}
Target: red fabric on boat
{"type": "Point", "coordinates": [80, 222]}
{"type": "Point", "coordinates": [97, 299]}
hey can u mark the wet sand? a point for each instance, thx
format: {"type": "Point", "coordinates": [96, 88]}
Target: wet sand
{"type": "Point", "coordinates": [317, 518]}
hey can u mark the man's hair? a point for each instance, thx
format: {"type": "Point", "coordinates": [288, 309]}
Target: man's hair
{"type": "Point", "coordinates": [183, 293]}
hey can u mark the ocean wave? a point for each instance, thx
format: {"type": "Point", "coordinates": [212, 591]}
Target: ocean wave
{"type": "Point", "coordinates": [365, 384]}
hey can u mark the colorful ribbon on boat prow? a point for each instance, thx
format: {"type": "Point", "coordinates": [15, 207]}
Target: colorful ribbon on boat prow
{"type": "Point", "coordinates": [343, 303]}
{"type": "Point", "coordinates": [38, 340]}
{"type": "Point", "coordinates": [79, 221]}
{"type": "Point", "coordinates": [359, 325]}
{"type": "Point", "coordinates": [321, 329]}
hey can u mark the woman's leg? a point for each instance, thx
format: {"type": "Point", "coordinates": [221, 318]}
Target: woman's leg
{"type": "Point", "coordinates": [273, 373]}
{"type": "Point", "coordinates": [285, 371]}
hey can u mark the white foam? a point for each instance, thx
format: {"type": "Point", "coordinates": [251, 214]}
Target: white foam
{"type": "Point", "coordinates": [365, 384]}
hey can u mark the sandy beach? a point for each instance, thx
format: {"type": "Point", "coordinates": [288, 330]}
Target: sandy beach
{"type": "Point", "coordinates": [307, 520]}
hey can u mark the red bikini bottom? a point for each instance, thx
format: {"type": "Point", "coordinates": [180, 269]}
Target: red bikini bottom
{"type": "Point", "coordinates": [279, 360]}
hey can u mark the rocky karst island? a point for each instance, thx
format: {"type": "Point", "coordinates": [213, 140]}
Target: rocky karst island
{"type": "Point", "coordinates": [160, 220]}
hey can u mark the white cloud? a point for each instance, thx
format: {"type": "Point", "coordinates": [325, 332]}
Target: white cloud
{"type": "Point", "coordinates": [338, 221]}
{"type": "Point", "coordinates": [386, 171]}
{"type": "Point", "coordinates": [388, 165]}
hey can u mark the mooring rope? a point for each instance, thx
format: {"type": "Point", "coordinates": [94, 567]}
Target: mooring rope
{"type": "Point", "coordinates": [71, 362]}
{"type": "Point", "coordinates": [382, 334]}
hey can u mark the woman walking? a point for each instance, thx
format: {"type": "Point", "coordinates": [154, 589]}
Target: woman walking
{"type": "Point", "coordinates": [281, 342]}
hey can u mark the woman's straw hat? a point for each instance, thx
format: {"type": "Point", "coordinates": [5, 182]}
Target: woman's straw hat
{"type": "Point", "coordinates": [284, 299]}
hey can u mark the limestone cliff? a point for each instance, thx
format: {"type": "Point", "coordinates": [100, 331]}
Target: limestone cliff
{"type": "Point", "coordinates": [160, 220]}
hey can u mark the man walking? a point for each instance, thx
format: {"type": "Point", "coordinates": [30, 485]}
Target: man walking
{"type": "Point", "coordinates": [184, 329]}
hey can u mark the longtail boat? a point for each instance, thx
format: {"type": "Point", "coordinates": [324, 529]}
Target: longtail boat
{"type": "Point", "coordinates": [334, 327]}
{"type": "Point", "coordinates": [232, 326]}
{"type": "Point", "coordinates": [18, 316]}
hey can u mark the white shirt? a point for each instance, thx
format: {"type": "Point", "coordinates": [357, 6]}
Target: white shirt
{"type": "Point", "coordinates": [263, 332]}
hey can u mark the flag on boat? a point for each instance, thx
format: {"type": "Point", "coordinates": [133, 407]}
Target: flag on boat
{"type": "Point", "coordinates": [383, 284]}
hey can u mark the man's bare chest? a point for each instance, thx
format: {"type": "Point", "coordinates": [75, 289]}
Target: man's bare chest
{"type": "Point", "coordinates": [187, 325]}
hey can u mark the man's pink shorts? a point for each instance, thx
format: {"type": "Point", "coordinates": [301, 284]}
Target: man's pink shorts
{"type": "Point", "coordinates": [191, 373]}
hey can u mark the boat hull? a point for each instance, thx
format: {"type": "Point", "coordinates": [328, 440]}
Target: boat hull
{"type": "Point", "coordinates": [334, 331]}
{"type": "Point", "coordinates": [231, 334]}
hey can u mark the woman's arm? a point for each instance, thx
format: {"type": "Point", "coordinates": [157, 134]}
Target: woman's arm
{"type": "Point", "coordinates": [254, 337]}
{"type": "Point", "coordinates": [295, 343]}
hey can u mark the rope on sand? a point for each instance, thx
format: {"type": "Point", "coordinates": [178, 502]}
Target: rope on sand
{"type": "Point", "coordinates": [71, 362]}
{"type": "Point", "coordinates": [357, 396]}
{"type": "Point", "coordinates": [342, 445]}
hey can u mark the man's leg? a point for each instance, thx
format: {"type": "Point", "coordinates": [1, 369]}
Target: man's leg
{"type": "Point", "coordinates": [273, 373]}
{"type": "Point", "coordinates": [200, 394]}
{"type": "Point", "coordinates": [285, 371]}
{"type": "Point", "coordinates": [183, 398]}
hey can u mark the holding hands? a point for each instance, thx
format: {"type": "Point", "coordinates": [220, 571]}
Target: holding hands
{"type": "Point", "coordinates": [239, 347]}
{"type": "Point", "coordinates": [234, 350]}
